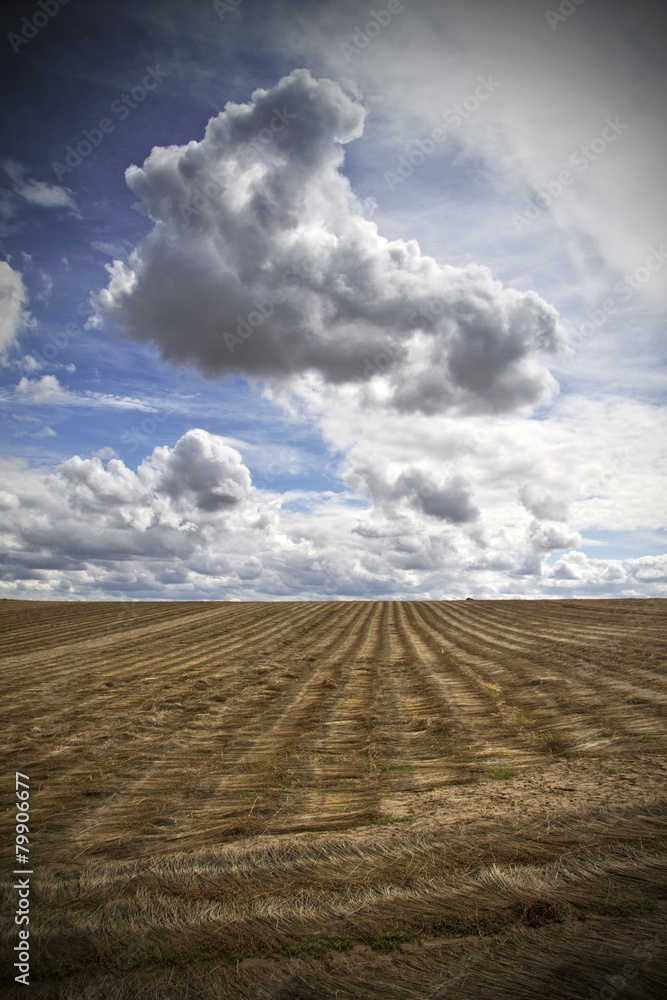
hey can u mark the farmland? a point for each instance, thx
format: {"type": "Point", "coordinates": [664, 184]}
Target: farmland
{"type": "Point", "coordinates": [354, 799]}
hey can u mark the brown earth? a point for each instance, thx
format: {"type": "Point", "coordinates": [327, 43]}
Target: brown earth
{"type": "Point", "coordinates": [340, 800]}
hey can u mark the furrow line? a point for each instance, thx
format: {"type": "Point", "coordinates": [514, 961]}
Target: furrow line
{"type": "Point", "coordinates": [334, 781]}
{"type": "Point", "coordinates": [603, 698]}
{"type": "Point", "coordinates": [489, 733]}
{"type": "Point", "coordinates": [126, 670]}
{"type": "Point", "coordinates": [547, 716]}
{"type": "Point", "coordinates": [228, 744]}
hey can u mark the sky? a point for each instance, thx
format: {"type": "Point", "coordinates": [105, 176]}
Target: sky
{"type": "Point", "coordinates": [333, 301]}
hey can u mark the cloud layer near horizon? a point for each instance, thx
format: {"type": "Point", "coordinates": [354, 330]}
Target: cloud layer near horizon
{"type": "Point", "coordinates": [190, 523]}
{"type": "Point", "coordinates": [261, 262]}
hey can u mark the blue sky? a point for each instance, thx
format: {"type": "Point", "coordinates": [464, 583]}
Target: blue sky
{"type": "Point", "coordinates": [332, 301]}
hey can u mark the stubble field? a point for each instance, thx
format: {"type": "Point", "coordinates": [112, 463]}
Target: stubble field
{"type": "Point", "coordinates": [309, 801]}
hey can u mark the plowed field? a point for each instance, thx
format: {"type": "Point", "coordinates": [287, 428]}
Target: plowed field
{"type": "Point", "coordinates": [340, 800]}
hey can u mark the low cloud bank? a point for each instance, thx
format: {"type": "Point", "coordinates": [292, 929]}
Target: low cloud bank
{"type": "Point", "coordinates": [189, 523]}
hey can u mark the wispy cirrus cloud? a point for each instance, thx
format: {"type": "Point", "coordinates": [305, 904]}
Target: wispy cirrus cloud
{"type": "Point", "coordinates": [47, 390]}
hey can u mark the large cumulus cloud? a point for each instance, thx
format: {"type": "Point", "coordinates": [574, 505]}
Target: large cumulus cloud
{"type": "Point", "coordinates": [261, 262]}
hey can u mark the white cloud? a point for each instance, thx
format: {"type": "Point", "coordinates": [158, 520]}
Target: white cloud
{"type": "Point", "coordinates": [542, 505]}
{"type": "Point", "coordinates": [44, 293]}
{"type": "Point", "coordinates": [38, 192]}
{"type": "Point", "coordinates": [410, 487]}
{"type": "Point", "coordinates": [549, 536]}
{"type": "Point", "coordinates": [30, 364]}
{"type": "Point", "coordinates": [192, 503]}
{"type": "Point", "coordinates": [43, 390]}
{"type": "Point", "coordinates": [8, 501]}
{"type": "Point", "coordinates": [524, 487]}
{"type": "Point", "coordinates": [108, 249]}
{"type": "Point", "coordinates": [650, 569]}
{"type": "Point", "coordinates": [13, 313]}
{"type": "Point", "coordinates": [46, 195]}
{"type": "Point", "coordinates": [633, 575]}
{"type": "Point", "coordinates": [201, 470]}
{"type": "Point", "coordinates": [262, 262]}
